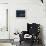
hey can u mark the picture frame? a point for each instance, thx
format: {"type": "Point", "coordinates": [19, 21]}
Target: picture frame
{"type": "Point", "coordinates": [20, 13]}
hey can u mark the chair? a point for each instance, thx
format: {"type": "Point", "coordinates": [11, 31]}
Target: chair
{"type": "Point", "coordinates": [33, 30]}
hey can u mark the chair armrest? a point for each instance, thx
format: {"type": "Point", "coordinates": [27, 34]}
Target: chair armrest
{"type": "Point", "coordinates": [24, 32]}
{"type": "Point", "coordinates": [22, 35]}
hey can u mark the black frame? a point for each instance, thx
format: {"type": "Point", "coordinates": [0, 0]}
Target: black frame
{"type": "Point", "coordinates": [20, 13]}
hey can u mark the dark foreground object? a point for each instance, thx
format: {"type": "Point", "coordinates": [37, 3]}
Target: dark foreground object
{"type": "Point", "coordinates": [29, 44]}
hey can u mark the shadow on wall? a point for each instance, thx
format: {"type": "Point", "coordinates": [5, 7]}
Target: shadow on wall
{"type": "Point", "coordinates": [41, 34]}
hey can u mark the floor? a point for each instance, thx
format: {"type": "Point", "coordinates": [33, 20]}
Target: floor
{"type": "Point", "coordinates": [23, 44]}
{"type": "Point", "coordinates": [26, 44]}
{"type": "Point", "coordinates": [5, 44]}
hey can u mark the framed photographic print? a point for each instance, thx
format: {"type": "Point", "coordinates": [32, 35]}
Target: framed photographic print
{"type": "Point", "coordinates": [20, 13]}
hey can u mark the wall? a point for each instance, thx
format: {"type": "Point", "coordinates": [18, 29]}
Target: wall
{"type": "Point", "coordinates": [3, 21]}
{"type": "Point", "coordinates": [5, 44]}
{"type": "Point", "coordinates": [35, 13]}
{"type": "Point", "coordinates": [3, 1]}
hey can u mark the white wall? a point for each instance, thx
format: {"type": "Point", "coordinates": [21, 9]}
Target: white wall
{"type": "Point", "coordinates": [3, 1]}
{"type": "Point", "coordinates": [35, 12]}
{"type": "Point", "coordinates": [3, 21]}
{"type": "Point", "coordinates": [3, 34]}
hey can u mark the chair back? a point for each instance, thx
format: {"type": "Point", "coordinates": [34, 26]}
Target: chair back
{"type": "Point", "coordinates": [33, 28]}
